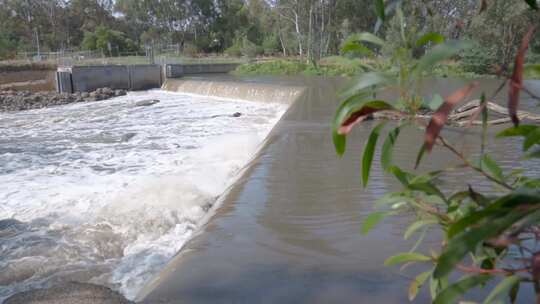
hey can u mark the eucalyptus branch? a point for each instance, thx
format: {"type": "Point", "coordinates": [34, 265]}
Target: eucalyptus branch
{"type": "Point", "coordinates": [470, 165]}
{"type": "Point", "coordinates": [494, 271]}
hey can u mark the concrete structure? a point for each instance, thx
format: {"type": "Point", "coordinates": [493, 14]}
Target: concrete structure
{"type": "Point", "coordinates": [180, 70]}
{"type": "Point", "coordinates": [90, 78]}
{"type": "Point", "coordinates": [144, 77]}
{"type": "Point", "coordinates": [129, 77]}
{"type": "Point", "coordinates": [288, 231]}
{"type": "Point", "coordinates": [63, 81]}
{"type": "Point", "coordinates": [260, 92]}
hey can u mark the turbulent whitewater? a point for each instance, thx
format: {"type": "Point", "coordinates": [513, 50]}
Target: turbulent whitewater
{"type": "Point", "coordinates": [108, 192]}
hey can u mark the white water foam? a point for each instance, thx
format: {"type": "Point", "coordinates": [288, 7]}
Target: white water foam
{"type": "Point", "coordinates": [108, 192]}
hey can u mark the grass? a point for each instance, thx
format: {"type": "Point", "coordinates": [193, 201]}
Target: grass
{"type": "Point", "coordinates": [329, 66]}
{"type": "Point", "coordinates": [532, 71]}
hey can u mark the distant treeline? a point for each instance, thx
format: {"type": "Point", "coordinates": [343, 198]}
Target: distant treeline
{"type": "Point", "coordinates": [308, 28]}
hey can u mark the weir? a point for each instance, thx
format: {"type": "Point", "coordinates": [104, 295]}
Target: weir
{"type": "Point", "coordinates": [261, 92]}
{"type": "Point", "coordinates": [289, 230]}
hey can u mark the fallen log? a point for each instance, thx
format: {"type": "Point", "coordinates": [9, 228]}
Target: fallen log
{"type": "Point", "coordinates": [462, 116]}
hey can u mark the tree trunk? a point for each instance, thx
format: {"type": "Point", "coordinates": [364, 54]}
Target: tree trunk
{"type": "Point", "coordinates": [298, 35]}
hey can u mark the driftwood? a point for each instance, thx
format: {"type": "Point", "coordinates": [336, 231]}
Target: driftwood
{"type": "Point", "coordinates": [462, 116]}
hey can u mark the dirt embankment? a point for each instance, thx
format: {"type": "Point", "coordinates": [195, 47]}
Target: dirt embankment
{"type": "Point", "coordinates": [27, 77]}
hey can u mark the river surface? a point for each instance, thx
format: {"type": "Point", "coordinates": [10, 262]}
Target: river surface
{"type": "Point", "coordinates": [107, 192]}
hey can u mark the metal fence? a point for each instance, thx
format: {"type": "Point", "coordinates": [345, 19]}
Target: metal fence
{"type": "Point", "coordinates": [167, 54]}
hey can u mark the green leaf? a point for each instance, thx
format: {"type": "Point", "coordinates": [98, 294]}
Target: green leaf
{"type": "Point", "coordinates": [421, 153]}
{"type": "Point", "coordinates": [532, 4]}
{"type": "Point", "coordinates": [433, 287]}
{"type": "Point", "coordinates": [379, 9]}
{"type": "Point", "coordinates": [390, 7]}
{"type": "Point", "coordinates": [369, 152]}
{"type": "Point", "coordinates": [406, 258]}
{"type": "Point", "coordinates": [340, 142]}
{"type": "Point", "coordinates": [500, 207]}
{"type": "Point", "coordinates": [531, 139]}
{"type": "Point", "coordinates": [434, 38]}
{"type": "Point", "coordinates": [372, 220]}
{"type": "Point", "coordinates": [478, 197]}
{"type": "Point", "coordinates": [427, 188]}
{"type": "Point", "coordinates": [345, 110]}
{"type": "Point", "coordinates": [364, 81]}
{"type": "Point", "coordinates": [467, 241]}
{"type": "Point", "coordinates": [417, 225]}
{"type": "Point", "coordinates": [502, 289]}
{"type": "Point", "coordinates": [435, 102]}
{"type": "Point", "coordinates": [534, 154]}
{"type": "Point", "coordinates": [521, 130]}
{"type": "Point", "coordinates": [452, 292]}
{"type": "Point", "coordinates": [388, 148]}
{"type": "Point", "coordinates": [492, 167]}
{"type": "Point", "coordinates": [402, 176]}
{"type": "Point", "coordinates": [439, 53]}
{"type": "Point", "coordinates": [367, 37]}
{"type": "Point", "coordinates": [417, 283]}
{"type": "Point", "coordinates": [514, 293]}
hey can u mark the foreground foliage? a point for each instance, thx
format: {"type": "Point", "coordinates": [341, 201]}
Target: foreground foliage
{"type": "Point", "coordinates": [486, 236]}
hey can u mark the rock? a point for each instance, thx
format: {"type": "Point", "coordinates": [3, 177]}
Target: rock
{"type": "Point", "coordinates": [127, 136]}
{"type": "Point", "coordinates": [120, 92]}
{"type": "Point", "coordinates": [147, 102]}
{"type": "Point", "coordinates": [237, 114]}
{"type": "Point", "coordinates": [9, 223]}
{"type": "Point", "coordinates": [72, 293]}
{"type": "Point", "coordinates": [11, 100]}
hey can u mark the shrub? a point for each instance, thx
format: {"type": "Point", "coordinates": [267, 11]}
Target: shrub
{"type": "Point", "coordinates": [234, 50]}
{"type": "Point", "coordinates": [479, 60]}
{"type": "Point", "coordinates": [8, 47]}
{"type": "Point", "coordinates": [250, 49]}
{"type": "Point", "coordinates": [275, 67]}
{"type": "Point", "coordinates": [271, 45]}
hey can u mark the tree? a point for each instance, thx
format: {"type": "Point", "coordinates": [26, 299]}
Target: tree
{"type": "Point", "coordinates": [486, 236]}
{"type": "Point", "coordinates": [108, 41]}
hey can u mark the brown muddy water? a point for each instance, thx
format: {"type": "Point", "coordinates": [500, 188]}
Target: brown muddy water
{"type": "Point", "coordinates": [289, 230]}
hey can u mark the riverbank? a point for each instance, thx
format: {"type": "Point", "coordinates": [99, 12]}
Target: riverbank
{"type": "Point", "coordinates": [343, 66]}
{"type": "Point", "coordinates": [11, 100]}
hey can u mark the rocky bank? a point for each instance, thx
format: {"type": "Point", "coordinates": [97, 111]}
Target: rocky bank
{"type": "Point", "coordinates": [25, 100]}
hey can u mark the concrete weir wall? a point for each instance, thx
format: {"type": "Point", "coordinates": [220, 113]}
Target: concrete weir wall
{"type": "Point", "coordinates": [262, 92]}
{"type": "Point", "coordinates": [90, 78]}
{"type": "Point", "coordinates": [128, 77]}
